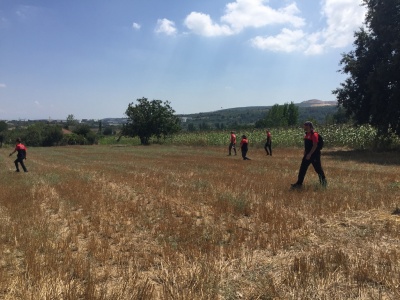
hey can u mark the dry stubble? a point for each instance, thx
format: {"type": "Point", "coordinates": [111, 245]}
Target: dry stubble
{"type": "Point", "coordinates": [191, 223]}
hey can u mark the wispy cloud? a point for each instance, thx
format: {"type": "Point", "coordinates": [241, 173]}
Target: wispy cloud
{"type": "Point", "coordinates": [342, 17]}
{"type": "Point", "coordinates": [136, 26]}
{"type": "Point", "coordinates": [165, 26]}
{"type": "Point", "coordinates": [287, 41]}
{"type": "Point", "coordinates": [25, 12]}
{"type": "Point", "coordinates": [254, 13]}
{"type": "Point", "coordinates": [3, 22]}
{"type": "Point", "coordinates": [2, 86]}
{"type": "Point", "coordinates": [243, 14]}
{"type": "Point", "coordinates": [202, 24]}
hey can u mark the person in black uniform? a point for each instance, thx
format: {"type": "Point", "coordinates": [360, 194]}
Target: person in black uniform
{"type": "Point", "coordinates": [21, 149]}
{"type": "Point", "coordinates": [268, 143]}
{"type": "Point", "coordinates": [312, 155]}
{"type": "Point", "coordinates": [244, 147]}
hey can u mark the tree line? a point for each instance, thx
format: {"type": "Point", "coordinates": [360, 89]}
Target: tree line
{"type": "Point", "coordinates": [45, 135]}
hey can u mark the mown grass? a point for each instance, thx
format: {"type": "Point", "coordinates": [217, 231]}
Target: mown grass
{"type": "Point", "coordinates": [168, 222]}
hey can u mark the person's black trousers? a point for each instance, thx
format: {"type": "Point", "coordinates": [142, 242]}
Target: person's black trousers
{"type": "Point", "coordinates": [244, 153]}
{"type": "Point", "coordinates": [268, 148]}
{"type": "Point", "coordinates": [315, 160]}
{"type": "Point", "coordinates": [21, 161]}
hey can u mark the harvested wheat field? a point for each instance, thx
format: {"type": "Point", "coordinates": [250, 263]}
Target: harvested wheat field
{"type": "Point", "coordinates": [166, 222]}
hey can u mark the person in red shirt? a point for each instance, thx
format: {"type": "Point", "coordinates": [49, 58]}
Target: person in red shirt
{"type": "Point", "coordinates": [312, 155]}
{"type": "Point", "coordinates": [232, 144]}
{"type": "Point", "coordinates": [268, 143]}
{"type": "Point", "coordinates": [21, 149]}
{"type": "Point", "coordinates": [244, 147]}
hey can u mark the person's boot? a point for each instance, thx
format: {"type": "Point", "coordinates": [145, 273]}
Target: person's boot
{"type": "Point", "coordinates": [323, 181]}
{"type": "Point", "coordinates": [296, 186]}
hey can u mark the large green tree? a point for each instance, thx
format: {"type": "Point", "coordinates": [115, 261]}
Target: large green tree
{"type": "Point", "coordinates": [280, 116]}
{"type": "Point", "coordinates": [371, 93]}
{"type": "Point", "coordinates": [147, 119]}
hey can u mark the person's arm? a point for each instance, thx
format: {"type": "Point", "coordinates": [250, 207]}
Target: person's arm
{"type": "Point", "coordinates": [15, 150]}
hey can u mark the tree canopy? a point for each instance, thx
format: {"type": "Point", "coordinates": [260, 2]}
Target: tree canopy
{"type": "Point", "coordinates": [148, 119]}
{"type": "Point", "coordinates": [280, 115]}
{"type": "Point", "coordinates": [371, 93]}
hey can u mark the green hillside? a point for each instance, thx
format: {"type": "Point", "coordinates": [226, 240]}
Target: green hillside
{"type": "Point", "coordinates": [242, 116]}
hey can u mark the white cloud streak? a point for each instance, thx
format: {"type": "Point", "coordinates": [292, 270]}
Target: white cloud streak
{"type": "Point", "coordinates": [165, 26]}
{"type": "Point", "coordinates": [202, 24]}
{"type": "Point", "coordinates": [243, 14]}
{"type": "Point", "coordinates": [136, 26]}
{"type": "Point", "coordinates": [2, 86]}
{"type": "Point", "coordinates": [342, 17]}
{"type": "Point", "coordinates": [287, 41]}
{"type": "Point", "coordinates": [253, 13]}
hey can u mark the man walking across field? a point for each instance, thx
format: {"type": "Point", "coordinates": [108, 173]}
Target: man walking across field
{"type": "Point", "coordinates": [268, 143]}
{"type": "Point", "coordinates": [232, 144]}
{"type": "Point", "coordinates": [312, 155]}
{"type": "Point", "coordinates": [244, 147]}
{"type": "Point", "coordinates": [21, 149]}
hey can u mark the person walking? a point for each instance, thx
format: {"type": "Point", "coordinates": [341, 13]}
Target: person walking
{"type": "Point", "coordinates": [21, 149]}
{"type": "Point", "coordinates": [232, 144]}
{"type": "Point", "coordinates": [244, 147]}
{"type": "Point", "coordinates": [312, 155]}
{"type": "Point", "coordinates": [268, 143]}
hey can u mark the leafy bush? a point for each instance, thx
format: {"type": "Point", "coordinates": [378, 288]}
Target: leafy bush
{"type": "Point", "coordinates": [37, 135]}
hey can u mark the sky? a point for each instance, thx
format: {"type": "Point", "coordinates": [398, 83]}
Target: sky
{"type": "Point", "coordinates": [92, 58]}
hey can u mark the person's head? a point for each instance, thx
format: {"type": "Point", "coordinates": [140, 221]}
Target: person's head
{"type": "Point", "coordinates": [308, 126]}
{"type": "Point", "coordinates": [18, 140]}
{"type": "Point", "coordinates": [267, 130]}
{"type": "Point", "coordinates": [244, 137]}
{"type": "Point", "coordinates": [232, 132]}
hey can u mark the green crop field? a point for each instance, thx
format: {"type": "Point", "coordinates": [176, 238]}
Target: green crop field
{"type": "Point", "coordinates": [188, 222]}
{"type": "Point", "coordinates": [335, 136]}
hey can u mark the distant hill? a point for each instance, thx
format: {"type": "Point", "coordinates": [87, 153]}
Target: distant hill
{"type": "Point", "coordinates": [313, 109]}
{"type": "Point", "coordinates": [316, 102]}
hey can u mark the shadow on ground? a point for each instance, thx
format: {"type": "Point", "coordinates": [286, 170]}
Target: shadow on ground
{"type": "Point", "coordinates": [365, 156]}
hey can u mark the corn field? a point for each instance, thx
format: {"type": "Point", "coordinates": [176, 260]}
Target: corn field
{"type": "Point", "coordinates": [343, 136]}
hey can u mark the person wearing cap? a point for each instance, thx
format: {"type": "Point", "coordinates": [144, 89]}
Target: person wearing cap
{"type": "Point", "coordinates": [268, 143]}
{"type": "Point", "coordinates": [232, 144]}
{"type": "Point", "coordinates": [21, 149]}
{"type": "Point", "coordinates": [244, 147]}
{"type": "Point", "coordinates": [312, 155]}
